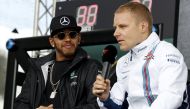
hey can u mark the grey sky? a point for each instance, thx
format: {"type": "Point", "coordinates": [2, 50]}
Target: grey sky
{"type": "Point", "coordinates": [14, 14]}
{"type": "Point", "coordinates": [17, 14]}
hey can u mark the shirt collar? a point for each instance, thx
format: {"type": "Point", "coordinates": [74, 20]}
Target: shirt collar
{"type": "Point", "coordinates": [149, 43]}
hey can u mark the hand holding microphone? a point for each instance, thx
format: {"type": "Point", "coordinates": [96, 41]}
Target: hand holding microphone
{"type": "Point", "coordinates": [101, 86]}
{"type": "Point", "coordinates": [108, 58]}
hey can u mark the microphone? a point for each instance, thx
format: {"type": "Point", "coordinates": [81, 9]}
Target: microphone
{"type": "Point", "coordinates": [108, 58]}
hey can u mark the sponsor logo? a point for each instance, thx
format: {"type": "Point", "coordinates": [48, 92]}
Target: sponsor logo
{"type": "Point", "coordinates": [73, 78]}
{"type": "Point", "coordinates": [172, 55]}
{"type": "Point", "coordinates": [173, 61]}
{"type": "Point", "coordinates": [149, 56]}
{"type": "Point", "coordinates": [140, 49]}
{"type": "Point", "coordinates": [64, 21]}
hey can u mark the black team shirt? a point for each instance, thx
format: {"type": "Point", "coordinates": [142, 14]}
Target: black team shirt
{"type": "Point", "coordinates": [58, 70]}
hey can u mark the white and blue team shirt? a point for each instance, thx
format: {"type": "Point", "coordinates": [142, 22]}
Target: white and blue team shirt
{"type": "Point", "coordinates": [153, 74]}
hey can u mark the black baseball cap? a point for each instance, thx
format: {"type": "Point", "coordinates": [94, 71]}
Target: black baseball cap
{"type": "Point", "coordinates": [62, 22]}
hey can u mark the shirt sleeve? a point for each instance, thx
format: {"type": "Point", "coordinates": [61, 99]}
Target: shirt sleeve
{"type": "Point", "coordinates": [172, 79]}
{"type": "Point", "coordinates": [116, 97]}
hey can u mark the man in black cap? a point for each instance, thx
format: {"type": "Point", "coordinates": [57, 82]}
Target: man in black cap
{"type": "Point", "coordinates": [64, 78]}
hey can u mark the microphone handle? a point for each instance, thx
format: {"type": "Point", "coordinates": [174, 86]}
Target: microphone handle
{"type": "Point", "coordinates": [106, 69]}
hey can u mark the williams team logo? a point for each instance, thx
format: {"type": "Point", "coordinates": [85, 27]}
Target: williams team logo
{"type": "Point", "coordinates": [149, 56]}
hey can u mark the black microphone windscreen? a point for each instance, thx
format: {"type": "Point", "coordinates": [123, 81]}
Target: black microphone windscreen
{"type": "Point", "coordinates": [109, 54]}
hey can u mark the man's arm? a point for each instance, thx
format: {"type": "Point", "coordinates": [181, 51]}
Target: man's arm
{"type": "Point", "coordinates": [108, 99]}
{"type": "Point", "coordinates": [25, 99]}
{"type": "Point", "coordinates": [172, 80]}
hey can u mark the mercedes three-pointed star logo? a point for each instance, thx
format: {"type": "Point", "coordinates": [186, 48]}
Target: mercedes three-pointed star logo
{"type": "Point", "coordinates": [64, 21]}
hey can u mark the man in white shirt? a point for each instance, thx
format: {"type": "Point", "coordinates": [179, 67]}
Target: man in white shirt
{"type": "Point", "coordinates": [153, 72]}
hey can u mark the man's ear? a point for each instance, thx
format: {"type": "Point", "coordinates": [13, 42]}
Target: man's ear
{"type": "Point", "coordinates": [51, 41]}
{"type": "Point", "coordinates": [144, 26]}
{"type": "Point", "coordinates": [79, 39]}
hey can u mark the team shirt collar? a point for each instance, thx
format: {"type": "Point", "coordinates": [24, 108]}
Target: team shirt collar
{"type": "Point", "coordinates": [149, 43]}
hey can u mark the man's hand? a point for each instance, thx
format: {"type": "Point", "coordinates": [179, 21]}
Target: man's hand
{"type": "Point", "coordinates": [101, 88]}
{"type": "Point", "coordinates": [44, 107]}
